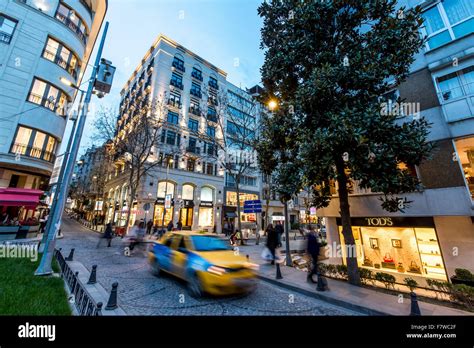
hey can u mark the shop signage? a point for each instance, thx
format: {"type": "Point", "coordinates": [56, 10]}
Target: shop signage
{"type": "Point", "coordinates": [161, 201]}
{"type": "Point", "coordinates": [56, 170]}
{"type": "Point", "coordinates": [390, 222]}
{"type": "Point", "coordinates": [188, 203]}
{"type": "Point", "coordinates": [206, 204]}
{"type": "Point", "coordinates": [168, 199]}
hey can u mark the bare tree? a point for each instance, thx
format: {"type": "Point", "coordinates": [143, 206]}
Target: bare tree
{"type": "Point", "coordinates": [230, 137]}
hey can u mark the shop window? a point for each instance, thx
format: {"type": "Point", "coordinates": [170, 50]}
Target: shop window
{"type": "Point", "coordinates": [188, 192]}
{"type": "Point", "coordinates": [17, 181]}
{"type": "Point", "coordinates": [207, 194]}
{"type": "Point", "coordinates": [465, 156]}
{"type": "Point", "coordinates": [206, 216]}
{"type": "Point", "coordinates": [165, 188]}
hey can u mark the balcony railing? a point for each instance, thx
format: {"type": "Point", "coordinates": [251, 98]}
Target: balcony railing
{"type": "Point", "coordinates": [56, 59]}
{"type": "Point", "coordinates": [5, 38]}
{"type": "Point", "coordinates": [176, 84]}
{"type": "Point", "coordinates": [49, 103]}
{"type": "Point", "coordinates": [71, 25]}
{"type": "Point", "coordinates": [195, 111]}
{"type": "Point", "coordinates": [33, 152]}
{"type": "Point", "coordinates": [174, 103]}
{"type": "Point", "coordinates": [213, 101]}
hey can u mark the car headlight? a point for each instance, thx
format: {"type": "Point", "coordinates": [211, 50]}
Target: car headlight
{"type": "Point", "coordinates": [216, 270]}
{"type": "Point", "coordinates": [253, 266]}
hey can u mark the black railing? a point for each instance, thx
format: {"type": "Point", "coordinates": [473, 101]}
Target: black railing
{"type": "Point", "coordinates": [33, 152]}
{"type": "Point", "coordinates": [174, 103]}
{"type": "Point", "coordinates": [71, 25]}
{"type": "Point", "coordinates": [83, 301]}
{"type": "Point", "coordinates": [58, 60]}
{"type": "Point", "coordinates": [6, 38]}
{"type": "Point", "coordinates": [176, 84]}
{"type": "Point", "coordinates": [195, 111]}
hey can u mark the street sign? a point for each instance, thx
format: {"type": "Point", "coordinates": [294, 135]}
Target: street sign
{"type": "Point", "coordinates": [56, 170]}
{"type": "Point", "coordinates": [146, 206]}
{"type": "Point", "coordinates": [252, 207]}
{"type": "Point", "coordinates": [168, 199]}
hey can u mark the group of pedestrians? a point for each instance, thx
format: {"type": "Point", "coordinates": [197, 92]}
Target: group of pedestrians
{"type": "Point", "coordinates": [313, 247]}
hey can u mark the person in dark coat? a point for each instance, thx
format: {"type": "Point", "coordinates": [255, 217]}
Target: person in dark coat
{"type": "Point", "coordinates": [279, 232]}
{"type": "Point", "coordinates": [149, 226]}
{"type": "Point", "coordinates": [108, 235]}
{"type": "Point", "coordinates": [313, 250]}
{"type": "Point", "coordinates": [272, 241]}
{"type": "Point", "coordinates": [170, 226]}
{"type": "Point", "coordinates": [179, 225]}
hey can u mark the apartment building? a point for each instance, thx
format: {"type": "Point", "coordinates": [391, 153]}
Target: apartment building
{"type": "Point", "coordinates": [435, 235]}
{"type": "Point", "coordinates": [41, 43]}
{"type": "Point", "coordinates": [189, 171]}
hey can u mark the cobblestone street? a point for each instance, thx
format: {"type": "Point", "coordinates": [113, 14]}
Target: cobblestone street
{"type": "Point", "coordinates": [140, 293]}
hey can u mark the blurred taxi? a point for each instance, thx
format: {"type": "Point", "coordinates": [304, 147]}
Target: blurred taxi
{"type": "Point", "coordinates": [204, 261]}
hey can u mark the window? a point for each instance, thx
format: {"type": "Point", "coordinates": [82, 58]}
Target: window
{"type": "Point", "coordinates": [210, 169]}
{"type": "Point", "coordinates": [193, 125]}
{"type": "Point", "coordinates": [192, 145]}
{"type": "Point", "coordinates": [175, 100]}
{"type": "Point", "coordinates": [212, 114]}
{"type": "Point", "coordinates": [48, 96]}
{"type": "Point", "coordinates": [191, 165]}
{"type": "Point", "coordinates": [176, 80]}
{"type": "Point", "coordinates": [239, 101]}
{"type": "Point", "coordinates": [170, 137]}
{"type": "Point", "coordinates": [207, 194]}
{"type": "Point", "coordinates": [165, 188]}
{"type": "Point", "coordinates": [196, 90]}
{"type": "Point", "coordinates": [211, 131]}
{"type": "Point", "coordinates": [62, 56]}
{"type": "Point", "coordinates": [178, 64]}
{"type": "Point", "coordinates": [188, 192]}
{"type": "Point", "coordinates": [172, 117]}
{"type": "Point", "coordinates": [18, 181]}
{"type": "Point", "coordinates": [213, 82]}
{"type": "Point", "coordinates": [7, 27]}
{"type": "Point", "coordinates": [197, 74]}
{"type": "Point", "coordinates": [465, 154]}
{"type": "Point", "coordinates": [456, 84]}
{"type": "Point", "coordinates": [448, 20]}
{"type": "Point", "coordinates": [71, 19]}
{"type": "Point", "coordinates": [194, 107]}
{"type": "Point", "coordinates": [33, 143]}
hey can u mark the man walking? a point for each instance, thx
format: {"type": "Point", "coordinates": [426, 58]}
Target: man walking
{"type": "Point", "coordinates": [279, 232]}
{"type": "Point", "coordinates": [313, 250]}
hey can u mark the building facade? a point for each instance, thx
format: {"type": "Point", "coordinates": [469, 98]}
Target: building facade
{"type": "Point", "coordinates": [435, 234]}
{"type": "Point", "coordinates": [41, 42]}
{"type": "Point", "coordinates": [189, 171]}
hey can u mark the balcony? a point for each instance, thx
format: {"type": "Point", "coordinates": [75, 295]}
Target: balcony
{"type": "Point", "coordinates": [179, 66]}
{"type": "Point", "coordinates": [458, 102]}
{"type": "Point", "coordinates": [174, 103]}
{"type": "Point", "coordinates": [33, 152]}
{"type": "Point", "coordinates": [195, 93]}
{"type": "Point", "coordinates": [213, 101]}
{"type": "Point", "coordinates": [5, 38]}
{"type": "Point", "coordinates": [197, 76]}
{"type": "Point", "coordinates": [176, 84]}
{"type": "Point", "coordinates": [195, 111]}
{"type": "Point", "coordinates": [212, 117]}
{"type": "Point", "coordinates": [71, 25]}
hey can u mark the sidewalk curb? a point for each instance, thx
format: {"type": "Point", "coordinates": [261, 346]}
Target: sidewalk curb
{"type": "Point", "coordinates": [319, 296]}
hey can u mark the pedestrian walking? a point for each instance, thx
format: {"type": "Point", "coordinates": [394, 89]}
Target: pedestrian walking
{"type": "Point", "coordinates": [108, 235]}
{"type": "Point", "coordinates": [272, 241]}
{"type": "Point", "coordinates": [149, 226]}
{"type": "Point", "coordinates": [170, 226]}
{"type": "Point", "coordinates": [313, 250]}
{"type": "Point", "coordinates": [279, 232]}
{"type": "Point", "coordinates": [233, 238]}
{"type": "Point", "coordinates": [179, 225]}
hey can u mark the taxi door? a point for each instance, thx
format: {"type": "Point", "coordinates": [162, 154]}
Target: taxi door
{"type": "Point", "coordinates": [180, 256]}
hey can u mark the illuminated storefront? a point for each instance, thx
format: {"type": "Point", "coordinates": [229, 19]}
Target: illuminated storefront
{"type": "Point", "coordinates": [206, 207]}
{"type": "Point", "coordinates": [406, 246]}
{"type": "Point", "coordinates": [186, 215]}
{"type": "Point", "coordinates": [231, 205]}
{"type": "Point", "coordinates": [164, 189]}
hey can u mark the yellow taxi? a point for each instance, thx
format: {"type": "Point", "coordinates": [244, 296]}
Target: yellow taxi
{"type": "Point", "coordinates": [204, 261]}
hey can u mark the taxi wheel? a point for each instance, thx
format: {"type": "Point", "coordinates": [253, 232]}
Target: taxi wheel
{"type": "Point", "coordinates": [194, 286]}
{"type": "Point", "coordinates": [155, 268]}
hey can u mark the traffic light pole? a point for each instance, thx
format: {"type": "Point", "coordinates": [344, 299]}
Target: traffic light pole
{"type": "Point", "coordinates": [44, 267]}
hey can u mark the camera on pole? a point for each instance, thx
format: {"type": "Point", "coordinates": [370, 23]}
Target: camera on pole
{"type": "Point", "coordinates": [105, 77]}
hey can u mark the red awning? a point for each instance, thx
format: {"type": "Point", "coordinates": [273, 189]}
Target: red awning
{"type": "Point", "coordinates": [15, 197]}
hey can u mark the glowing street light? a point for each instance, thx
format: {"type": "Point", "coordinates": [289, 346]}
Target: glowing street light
{"type": "Point", "coordinates": [272, 104]}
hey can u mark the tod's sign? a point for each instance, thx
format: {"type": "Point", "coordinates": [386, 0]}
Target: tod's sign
{"type": "Point", "coordinates": [390, 221]}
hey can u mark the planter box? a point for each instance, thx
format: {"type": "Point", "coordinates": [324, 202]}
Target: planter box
{"type": "Point", "coordinates": [456, 280]}
{"type": "Point", "coordinates": [8, 232]}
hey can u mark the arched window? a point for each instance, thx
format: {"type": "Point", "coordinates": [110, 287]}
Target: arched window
{"type": "Point", "coordinates": [207, 194]}
{"type": "Point", "coordinates": [165, 188]}
{"type": "Point", "coordinates": [188, 192]}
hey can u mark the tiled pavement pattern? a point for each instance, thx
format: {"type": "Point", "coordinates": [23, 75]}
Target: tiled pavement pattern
{"type": "Point", "coordinates": [140, 293]}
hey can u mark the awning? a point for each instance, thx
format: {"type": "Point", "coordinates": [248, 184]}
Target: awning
{"type": "Point", "coordinates": [15, 197]}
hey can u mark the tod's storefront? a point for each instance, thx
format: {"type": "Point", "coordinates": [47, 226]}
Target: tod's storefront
{"type": "Point", "coordinates": [402, 245]}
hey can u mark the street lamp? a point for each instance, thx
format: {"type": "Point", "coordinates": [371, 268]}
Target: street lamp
{"type": "Point", "coordinates": [170, 161]}
{"type": "Point", "coordinates": [272, 104]}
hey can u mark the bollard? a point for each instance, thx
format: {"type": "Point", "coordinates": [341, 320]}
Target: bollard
{"type": "Point", "coordinates": [415, 308]}
{"type": "Point", "coordinates": [92, 278]}
{"type": "Point", "coordinates": [98, 310]}
{"type": "Point", "coordinates": [71, 255]}
{"type": "Point", "coordinates": [321, 283]}
{"type": "Point", "coordinates": [248, 257]}
{"type": "Point", "coordinates": [278, 271]}
{"type": "Point", "coordinates": [112, 303]}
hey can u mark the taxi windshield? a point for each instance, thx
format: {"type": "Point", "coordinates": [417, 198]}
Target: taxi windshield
{"type": "Point", "coordinates": [208, 243]}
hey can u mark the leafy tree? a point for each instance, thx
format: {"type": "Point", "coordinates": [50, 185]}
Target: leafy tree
{"type": "Point", "coordinates": [328, 63]}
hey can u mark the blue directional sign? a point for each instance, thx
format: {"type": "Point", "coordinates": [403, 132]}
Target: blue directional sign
{"type": "Point", "coordinates": [252, 207]}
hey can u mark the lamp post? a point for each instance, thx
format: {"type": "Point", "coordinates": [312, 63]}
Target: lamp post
{"type": "Point", "coordinates": [44, 267]}
{"type": "Point", "coordinates": [170, 161]}
{"type": "Point", "coordinates": [272, 105]}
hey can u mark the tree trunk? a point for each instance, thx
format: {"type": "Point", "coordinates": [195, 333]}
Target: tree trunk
{"type": "Point", "coordinates": [267, 208]}
{"type": "Point", "coordinates": [289, 262]}
{"type": "Point", "coordinates": [351, 251]}
{"type": "Point", "coordinates": [239, 223]}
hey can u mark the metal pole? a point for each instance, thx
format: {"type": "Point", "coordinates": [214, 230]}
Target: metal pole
{"type": "Point", "coordinates": [166, 193]}
{"type": "Point", "coordinates": [61, 174]}
{"type": "Point", "coordinates": [289, 262]}
{"type": "Point", "coordinates": [44, 267]}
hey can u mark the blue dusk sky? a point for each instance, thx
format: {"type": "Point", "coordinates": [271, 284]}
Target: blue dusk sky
{"type": "Point", "coordinates": [220, 31]}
